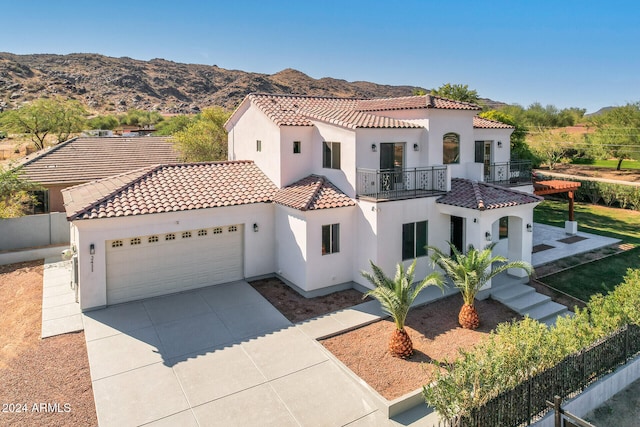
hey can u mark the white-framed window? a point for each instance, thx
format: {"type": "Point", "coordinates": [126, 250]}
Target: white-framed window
{"type": "Point", "coordinates": [330, 239]}
{"type": "Point", "coordinates": [331, 155]}
{"type": "Point", "coordinates": [414, 240]}
{"type": "Point", "coordinates": [296, 147]}
{"type": "Point", "coordinates": [450, 148]}
{"type": "Point", "coordinates": [258, 145]}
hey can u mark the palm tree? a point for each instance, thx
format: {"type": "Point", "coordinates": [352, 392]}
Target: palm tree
{"type": "Point", "coordinates": [470, 272]}
{"type": "Point", "coordinates": [396, 296]}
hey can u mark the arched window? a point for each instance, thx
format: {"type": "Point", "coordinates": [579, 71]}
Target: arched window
{"type": "Point", "coordinates": [450, 148]}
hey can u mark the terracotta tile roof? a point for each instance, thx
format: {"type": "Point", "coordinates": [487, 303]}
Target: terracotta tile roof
{"type": "Point", "coordinates": [356, 119]}
{"type": "Point", "coordinates": [168, 188]}
{"type": "Point", "coordinates": [312, 192]}
{"type": "Point", "coordinates": [294, 110]}
{"type": "Point", "coordinates": [482, 123]}
{"type": "Point", "coordinates": [86, 159]}
{"type": "Point", "coordinates": [414, 102]}
{"type": "Point", "coordinates": [481, 196]}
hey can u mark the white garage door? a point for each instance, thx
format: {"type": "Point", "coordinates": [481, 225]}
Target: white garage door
{"type": "Point", "coordinates": [146, 266]}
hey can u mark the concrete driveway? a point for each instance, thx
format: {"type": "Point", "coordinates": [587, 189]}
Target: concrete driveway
{"type": "Point", "coordinates": [221, 355]}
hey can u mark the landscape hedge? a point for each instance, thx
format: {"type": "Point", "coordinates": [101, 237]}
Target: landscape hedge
{"type": "Point", "coordinates": [516, 351]}
{"type": "Point", "coordinates": [625, 196]}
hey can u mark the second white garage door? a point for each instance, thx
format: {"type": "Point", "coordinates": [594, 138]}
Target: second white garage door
{"type": "Point", "coordinates": [146, 266]}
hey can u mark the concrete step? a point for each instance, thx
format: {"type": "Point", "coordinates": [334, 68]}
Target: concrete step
{"type": "Point", "coordinates": [549, 310]}
{"type": "Point", "coordinates": [551, 319]}
{"type": "Point", "coordinates": [511, 292]}
{"type": "Point", "coordinates": [525, 303]}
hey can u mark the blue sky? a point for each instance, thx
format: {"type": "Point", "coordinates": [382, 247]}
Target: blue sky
{"type": "Point", "coordinates": [567, 53]}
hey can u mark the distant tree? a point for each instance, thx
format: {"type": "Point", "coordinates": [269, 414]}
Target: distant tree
{"type": "Point", "coordinates": [205, 139]}
{"type": "Point", "coordinates": [108, 122]}
{"type": "Point", "coordinates": [519, 148]}
{"type": "Point", "coordinates": [458, 92]}
{"type": "Point", "coordinates": [419, 92]}
{"type": "Point", "coordinates": [46, 116]}
{"type": "Point", "coordinates": [550, 145]}
{"type": "Point", "coordinates": [15, 193]}
{"type": "Point", "coordinates": [174, 124]}
{"type": "Point", "coordinates": [142, 118]}
{"type": "Point", "coordinates": [617, 133]}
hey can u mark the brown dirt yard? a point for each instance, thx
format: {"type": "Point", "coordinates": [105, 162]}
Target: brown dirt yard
{"type": "Point", "coordinates": [433, 328]}
{"type": "Point", "coordinates": [44, 381]}
{"type": "Point", "coordinates": [632, 175]}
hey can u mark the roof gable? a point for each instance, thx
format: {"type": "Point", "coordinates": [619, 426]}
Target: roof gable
{"type": "Point", "coordinates": [299, 110]}
{"type": "Point", "coordinates": [311, 193]}
{"type": "Point", "coordinates": [170, 188]}
{"type": "Point", "coordinates": [86, 159]}
{"type": "Point", "coordinates": [482, 196]}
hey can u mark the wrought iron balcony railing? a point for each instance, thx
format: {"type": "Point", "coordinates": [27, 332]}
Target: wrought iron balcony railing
{"type": "Point", "coordinates": [509, 173]}
{"type": "Point", "coordinates": [394, 184]}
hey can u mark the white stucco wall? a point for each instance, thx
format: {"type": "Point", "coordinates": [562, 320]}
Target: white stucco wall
{"type": "Point", "coordinates": [259, 257]}
{"type": "Point", "coordinates": [380, 234]}
{"type": "Point", "coordinates": [343, 178]}
{"type": "Point", "coordinates": [294, 167]}
{"type": "Point", "coordinates": [499, 154]}
{"type": "Point", "coordinates": [251, 126]}
{"type": "Point", "coordinates": [291, 244]}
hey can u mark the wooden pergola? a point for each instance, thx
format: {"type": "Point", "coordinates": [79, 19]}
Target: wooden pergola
{"type": "Point", "coordinates": [540, 188]}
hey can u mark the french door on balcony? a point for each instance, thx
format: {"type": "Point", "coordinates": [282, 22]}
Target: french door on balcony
{"type": "Point", "coordinates": [483, 155]}
{"type": "Point", "coordinates": [391, 164]}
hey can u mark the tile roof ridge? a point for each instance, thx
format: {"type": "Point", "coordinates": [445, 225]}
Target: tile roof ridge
{"type": "Point", "coordinates": [431, 99]}
{"type": "Point", "coordinates": [45, 153]}
{"type": "Point", "coordinates": [149, 171]}
{"type": "Point", "coordinates": [319, 183]}
{"type": "Point", "coordinates": [477, 194]}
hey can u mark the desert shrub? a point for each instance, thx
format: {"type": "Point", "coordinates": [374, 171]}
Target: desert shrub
{"type": "Point", "coordinates": [516, 351]}
{"type": "Point", "coordinates": [634, 198]}
{"type": "Point", "coordinates": [608, 193]}
{"type": "Point", "coordinates": [625, 195]}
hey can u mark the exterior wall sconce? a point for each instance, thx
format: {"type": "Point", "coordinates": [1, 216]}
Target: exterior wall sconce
{"type": "Point", "coordinates": [92, 249]}
{"type": "Point", "coordinates": [255, 227]}
{"type": "Point", "coordinates": [374, 148]}
{"type": "Point", "coordinates": [416, 147]}
{"type": "Point", "coordinates": [530, 228]}
{"type": "Point", "coordinates": [487, 236]}
{"type": "Point", "coordinates": [499, 144]}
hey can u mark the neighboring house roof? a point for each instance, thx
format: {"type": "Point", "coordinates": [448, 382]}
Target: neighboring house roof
{"type": "Point", "coordinates": [170, 188]}
{"type": "Point", "coordinates": [482, 196]}
{"type": "Point", "coordinates": [482, 123]}
{"type": "Point", "coordinates": [298, 110]}
{"type": "Point", "coordinates": [86, 159]}
{"type": "Point", "coordinates": [312, 192]}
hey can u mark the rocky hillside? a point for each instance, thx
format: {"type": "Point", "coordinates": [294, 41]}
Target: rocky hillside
{"type": "Point", "coordinates": [106, 84]}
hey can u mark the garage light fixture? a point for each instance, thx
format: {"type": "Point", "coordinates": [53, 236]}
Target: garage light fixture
{"type": "Point", "coordinates": [416, 147]}
{"type": "Point", "coordinates": [529, 228]}
{"type": "Point", "coordinates": [255, 227]}
{"type": "Point", "coordinates": [92, 249]}
{"type": "Point", "coordinates": [499, 144]}
{"type": "Point", "coordinates": [374, 148]}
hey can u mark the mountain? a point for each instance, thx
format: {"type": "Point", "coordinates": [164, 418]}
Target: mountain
{"type": "Point", "coordinates": [106, 84]}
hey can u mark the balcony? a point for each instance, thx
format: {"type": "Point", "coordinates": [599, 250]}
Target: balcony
{"type": "Point", "coordinates": [397, 184]}
{"type": "Point", "coordinates": [509, 174]}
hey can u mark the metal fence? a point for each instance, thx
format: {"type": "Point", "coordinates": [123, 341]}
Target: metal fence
{"type": "Point", "coordinates": [395, 184]}
{"type": "Point", "coordinates": [509, 173]}
{"type": "Point", "coordinates": [527, 402]}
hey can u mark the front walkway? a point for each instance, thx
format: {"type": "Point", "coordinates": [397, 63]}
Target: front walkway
{"type": "Point", "coordinates": [60, 311]}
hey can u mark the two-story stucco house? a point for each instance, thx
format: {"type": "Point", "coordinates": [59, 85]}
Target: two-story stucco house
{"type": "Point", "coordinates": [314, 188]}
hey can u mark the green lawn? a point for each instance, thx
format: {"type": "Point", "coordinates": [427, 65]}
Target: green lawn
{"type": "Point", "coordinates": [598, 276]}
{"type": "Point", "coordinates": [626, 164]}
{"type": "Point", "coordinates": [621, 224]}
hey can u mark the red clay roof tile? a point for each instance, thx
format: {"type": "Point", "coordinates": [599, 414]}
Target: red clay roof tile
{"type": "Point", "coordinates": [168, 188]}
{"type": "Point", "coordinates": [482, 196]}
{"type": "Point", "coordinates": [312, 192]}
{"type": "Point", "coordinates": [482, 123]}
